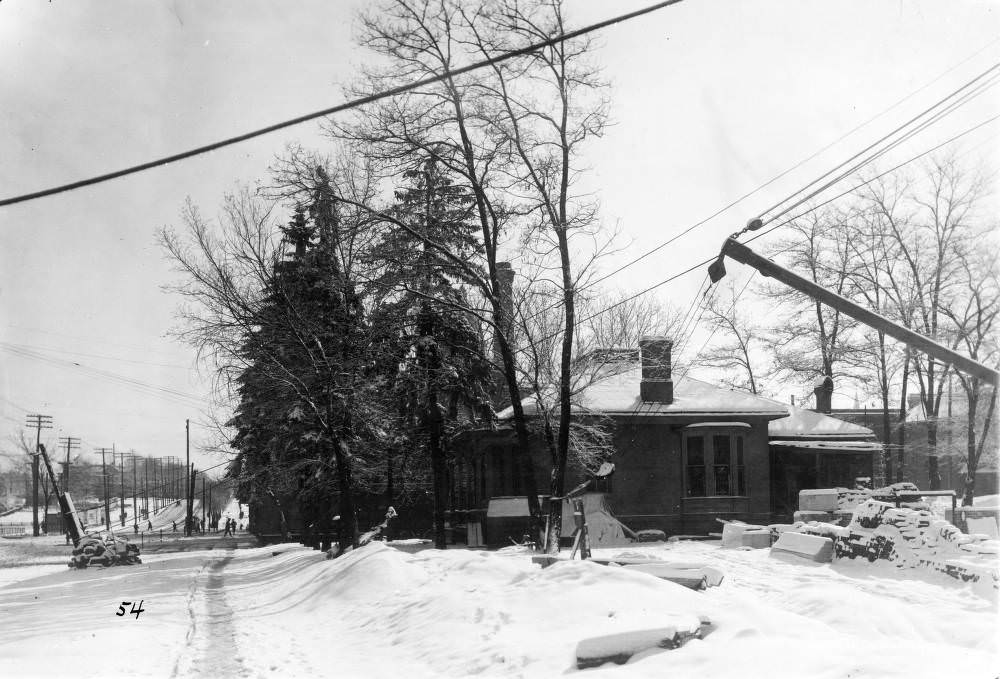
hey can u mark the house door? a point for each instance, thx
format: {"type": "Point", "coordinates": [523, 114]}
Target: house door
{"type": "Point", "coordinates": [791, 471]}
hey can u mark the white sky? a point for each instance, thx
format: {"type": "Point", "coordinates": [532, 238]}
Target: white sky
{"type": "Point", "coordinates": [710, 100]}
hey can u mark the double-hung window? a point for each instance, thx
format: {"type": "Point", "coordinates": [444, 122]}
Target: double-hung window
{"type": "Point", "coordinates": [714, 462]}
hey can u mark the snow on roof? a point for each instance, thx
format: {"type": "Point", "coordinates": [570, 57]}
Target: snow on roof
{"type": "Point", "coordinates": [860, 446]}
{"type": "Point", "coordinates": [802, 422]}
{"type": "Point", "coordinates": [618, 394]}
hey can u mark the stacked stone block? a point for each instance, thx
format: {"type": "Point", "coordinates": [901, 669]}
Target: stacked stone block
{"type": "Point", "coordinates": [909, 538]}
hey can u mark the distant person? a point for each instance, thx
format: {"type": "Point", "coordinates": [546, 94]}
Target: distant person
{"type": "Point", "coordinates": [175, 526]}
{"type": "Point", "coordinates": [150, 527]}
{"type": "Point", "coordinates": [228, 532]}
{"type": "Point", "coordinates": [135, 528]}
{"type": "Point", "coordinates": [241, 527]}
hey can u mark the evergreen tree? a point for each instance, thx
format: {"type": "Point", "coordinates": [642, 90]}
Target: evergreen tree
{"type": "Point", "coordinates": [304, 354]}
{"type": "Point", "coordinates": [431, 338]}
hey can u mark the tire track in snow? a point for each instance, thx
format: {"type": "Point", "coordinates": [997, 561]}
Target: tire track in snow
{"type": "Point", "coordinates": [192, 627]}
{"type": "Point", "coordinates": [211, 648]}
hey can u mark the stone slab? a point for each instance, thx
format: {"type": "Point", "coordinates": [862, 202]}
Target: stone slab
{"type": "Point", "coordinates": [619, 648]}
{"type": "Point", "coordinates": [812, 547]}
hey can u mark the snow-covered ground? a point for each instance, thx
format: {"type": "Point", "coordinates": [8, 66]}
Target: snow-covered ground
{"type": "Point", "coordinates": [381, 612]}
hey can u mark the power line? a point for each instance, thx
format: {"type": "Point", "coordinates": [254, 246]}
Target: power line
{"type": "Point", "coordinates": [951, 107]}
{"type": "Point", "coordinates": [790, 169]}
{"type": "Point", "coordinates": [145, 387]}
{"type": "Point", "coordinates": [391, 92]}
{"type": "Point", "coordinates": [988, 72]}
{"type": "Point", "coordinates": [106, 358]}
{"type": "Point", "coordinates": [779, 225]}
{"type": "Point", "coordinates": [764, 233]}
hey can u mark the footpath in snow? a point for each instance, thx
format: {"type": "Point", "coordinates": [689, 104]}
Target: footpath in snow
{"type": "Point", "coordinates": [286, 611]}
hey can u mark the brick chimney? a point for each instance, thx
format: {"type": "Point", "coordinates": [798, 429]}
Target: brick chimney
{"type": "Point", "coordinates": [504, 323]}
{"type": "Point", "coordinates": [656, 385]}
{"type": "Point", "coordinates": [824, 394]}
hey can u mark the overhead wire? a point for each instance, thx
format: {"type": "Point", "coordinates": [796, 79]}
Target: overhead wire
{"type": "Point", "coordinates": [951, 106]}
{"type": "Point", "coordinates": [145, 387]}
{"type": "Point", "coordinates": [354, 103]}
{"type": "Point", "coordinates": [760, 235]}
{"type": "Point", "coordinates": [783, 223]}
{"type": "Point", "coordinates": [989, 74]}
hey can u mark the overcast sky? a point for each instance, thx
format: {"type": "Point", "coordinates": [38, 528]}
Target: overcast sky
{"type": "Point", "coordinates": [710, 100]}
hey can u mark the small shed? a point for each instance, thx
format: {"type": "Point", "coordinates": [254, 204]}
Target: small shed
{"type": "Point", "coordinates": [813, 450]}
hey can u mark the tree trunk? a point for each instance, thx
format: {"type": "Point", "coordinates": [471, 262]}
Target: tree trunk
{"type": "Point", "coordinates": [347, 527]}
{"type": "Point", "coordinates": [972, 461]}
{"type": "Point", "coordinates": [887, 435]}
{"type": "Point", "coordinates": [438, 472]}
{"type": "Point", "coordinates": [901, 439]}
{"type": "Point", "coordinates": [558, 482]}
{"type": "Point", "coordinates": [933, 470]}
{"type": "Point", "coordinates": [523, 452]}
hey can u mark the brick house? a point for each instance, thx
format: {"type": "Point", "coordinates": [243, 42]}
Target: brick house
{"type": "Point", "coordinates": [686, 452]}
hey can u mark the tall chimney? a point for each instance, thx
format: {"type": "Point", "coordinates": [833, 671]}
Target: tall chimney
{"type": "Point", "coordinates": [504, 324]}
{"type": "Point", "coordinates": [824, 394]}
{"type": "Point", "coordinates": [505, 275]}
{"type": "Point", "coordinates": [656, 385]}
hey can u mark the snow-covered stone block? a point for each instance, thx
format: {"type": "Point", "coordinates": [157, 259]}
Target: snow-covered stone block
{"type": "Point", "coordinates": [618, 648]}
{"type": "Point", "coordinates": [732, 533]}
{"type": "Point", "coordinates": [869, 514]}
{"type": "Point", "coordinates": [986, 525]}
{"type": "Point", "coordinates": [812, 547]}
{"type": "Point", "coordinates": [818, 499]}
{"type": "Point", "coordinates": [756, 539]}
{"type": "Point", "coordinates": [692, 578]}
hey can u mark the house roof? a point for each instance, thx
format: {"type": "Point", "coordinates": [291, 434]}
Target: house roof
{"type": "Point", "coordinates": [618, 394]}
{"type": "Point", "coordinates": [857, 446]}
{"type": "Point", "coordinates": [802, 423]}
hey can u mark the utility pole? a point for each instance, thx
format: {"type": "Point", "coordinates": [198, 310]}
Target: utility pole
{"type": "Point", "coordinates": [145, 485]}
{"type": "Point", "coordinates": [104, 479]}
{"type": "Point", "coordinates": [39, 422]}
{"type": "Point", "coordinates": [203, 499]}
{"type": "Point", "coordinates": [71, 444]}
{"type": "Point", "coordinates": [192, 483]}
{"type": "Point", "coordinates": [121, 474]}
{"type": "Point", "coordinates": [135, 501]}
{"type": "Point", "coordinates": [187, 466]}
{"type": "Point", "coordinates": [157, 490]}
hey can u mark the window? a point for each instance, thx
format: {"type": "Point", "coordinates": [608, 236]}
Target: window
{"type": "Point", "coordinates": [695, 465]}
{"type": "Point", "coordinates": [714, 460]}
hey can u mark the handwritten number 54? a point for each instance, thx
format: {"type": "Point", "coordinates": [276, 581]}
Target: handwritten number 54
{"type": "Point", "coordinates": [135, 611]}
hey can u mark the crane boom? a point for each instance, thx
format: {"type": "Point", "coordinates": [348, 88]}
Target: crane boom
{"type": "Point", "coordinates": [741, 253]}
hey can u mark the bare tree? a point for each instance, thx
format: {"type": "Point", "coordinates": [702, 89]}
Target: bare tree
{"type": "Point", "coordinates": [544, 109]}
{"type": "Point", "coordinates": [442, 122]}
{"type": "Point", "coordinates": [511, 136]}
{"type": "Point", "coordinates": [928, 220]}
{"type": "Point", "coordinates": [807, 341]}
{"type": "Point", "coordinates": [740, 337]}
{"type": "Point", "coordinates": [973, 308]}
{"type": "Point", "coordinates": [873, 267]}
{"type": "Point", "coordinates": [21, 451]}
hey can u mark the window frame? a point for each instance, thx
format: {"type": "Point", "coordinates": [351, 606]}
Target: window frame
{"type": "Point", "coordinates": [736, 435]}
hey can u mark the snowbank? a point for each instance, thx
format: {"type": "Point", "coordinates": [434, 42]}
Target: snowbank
{"type": "Point", "coordinates": [380, 612]}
